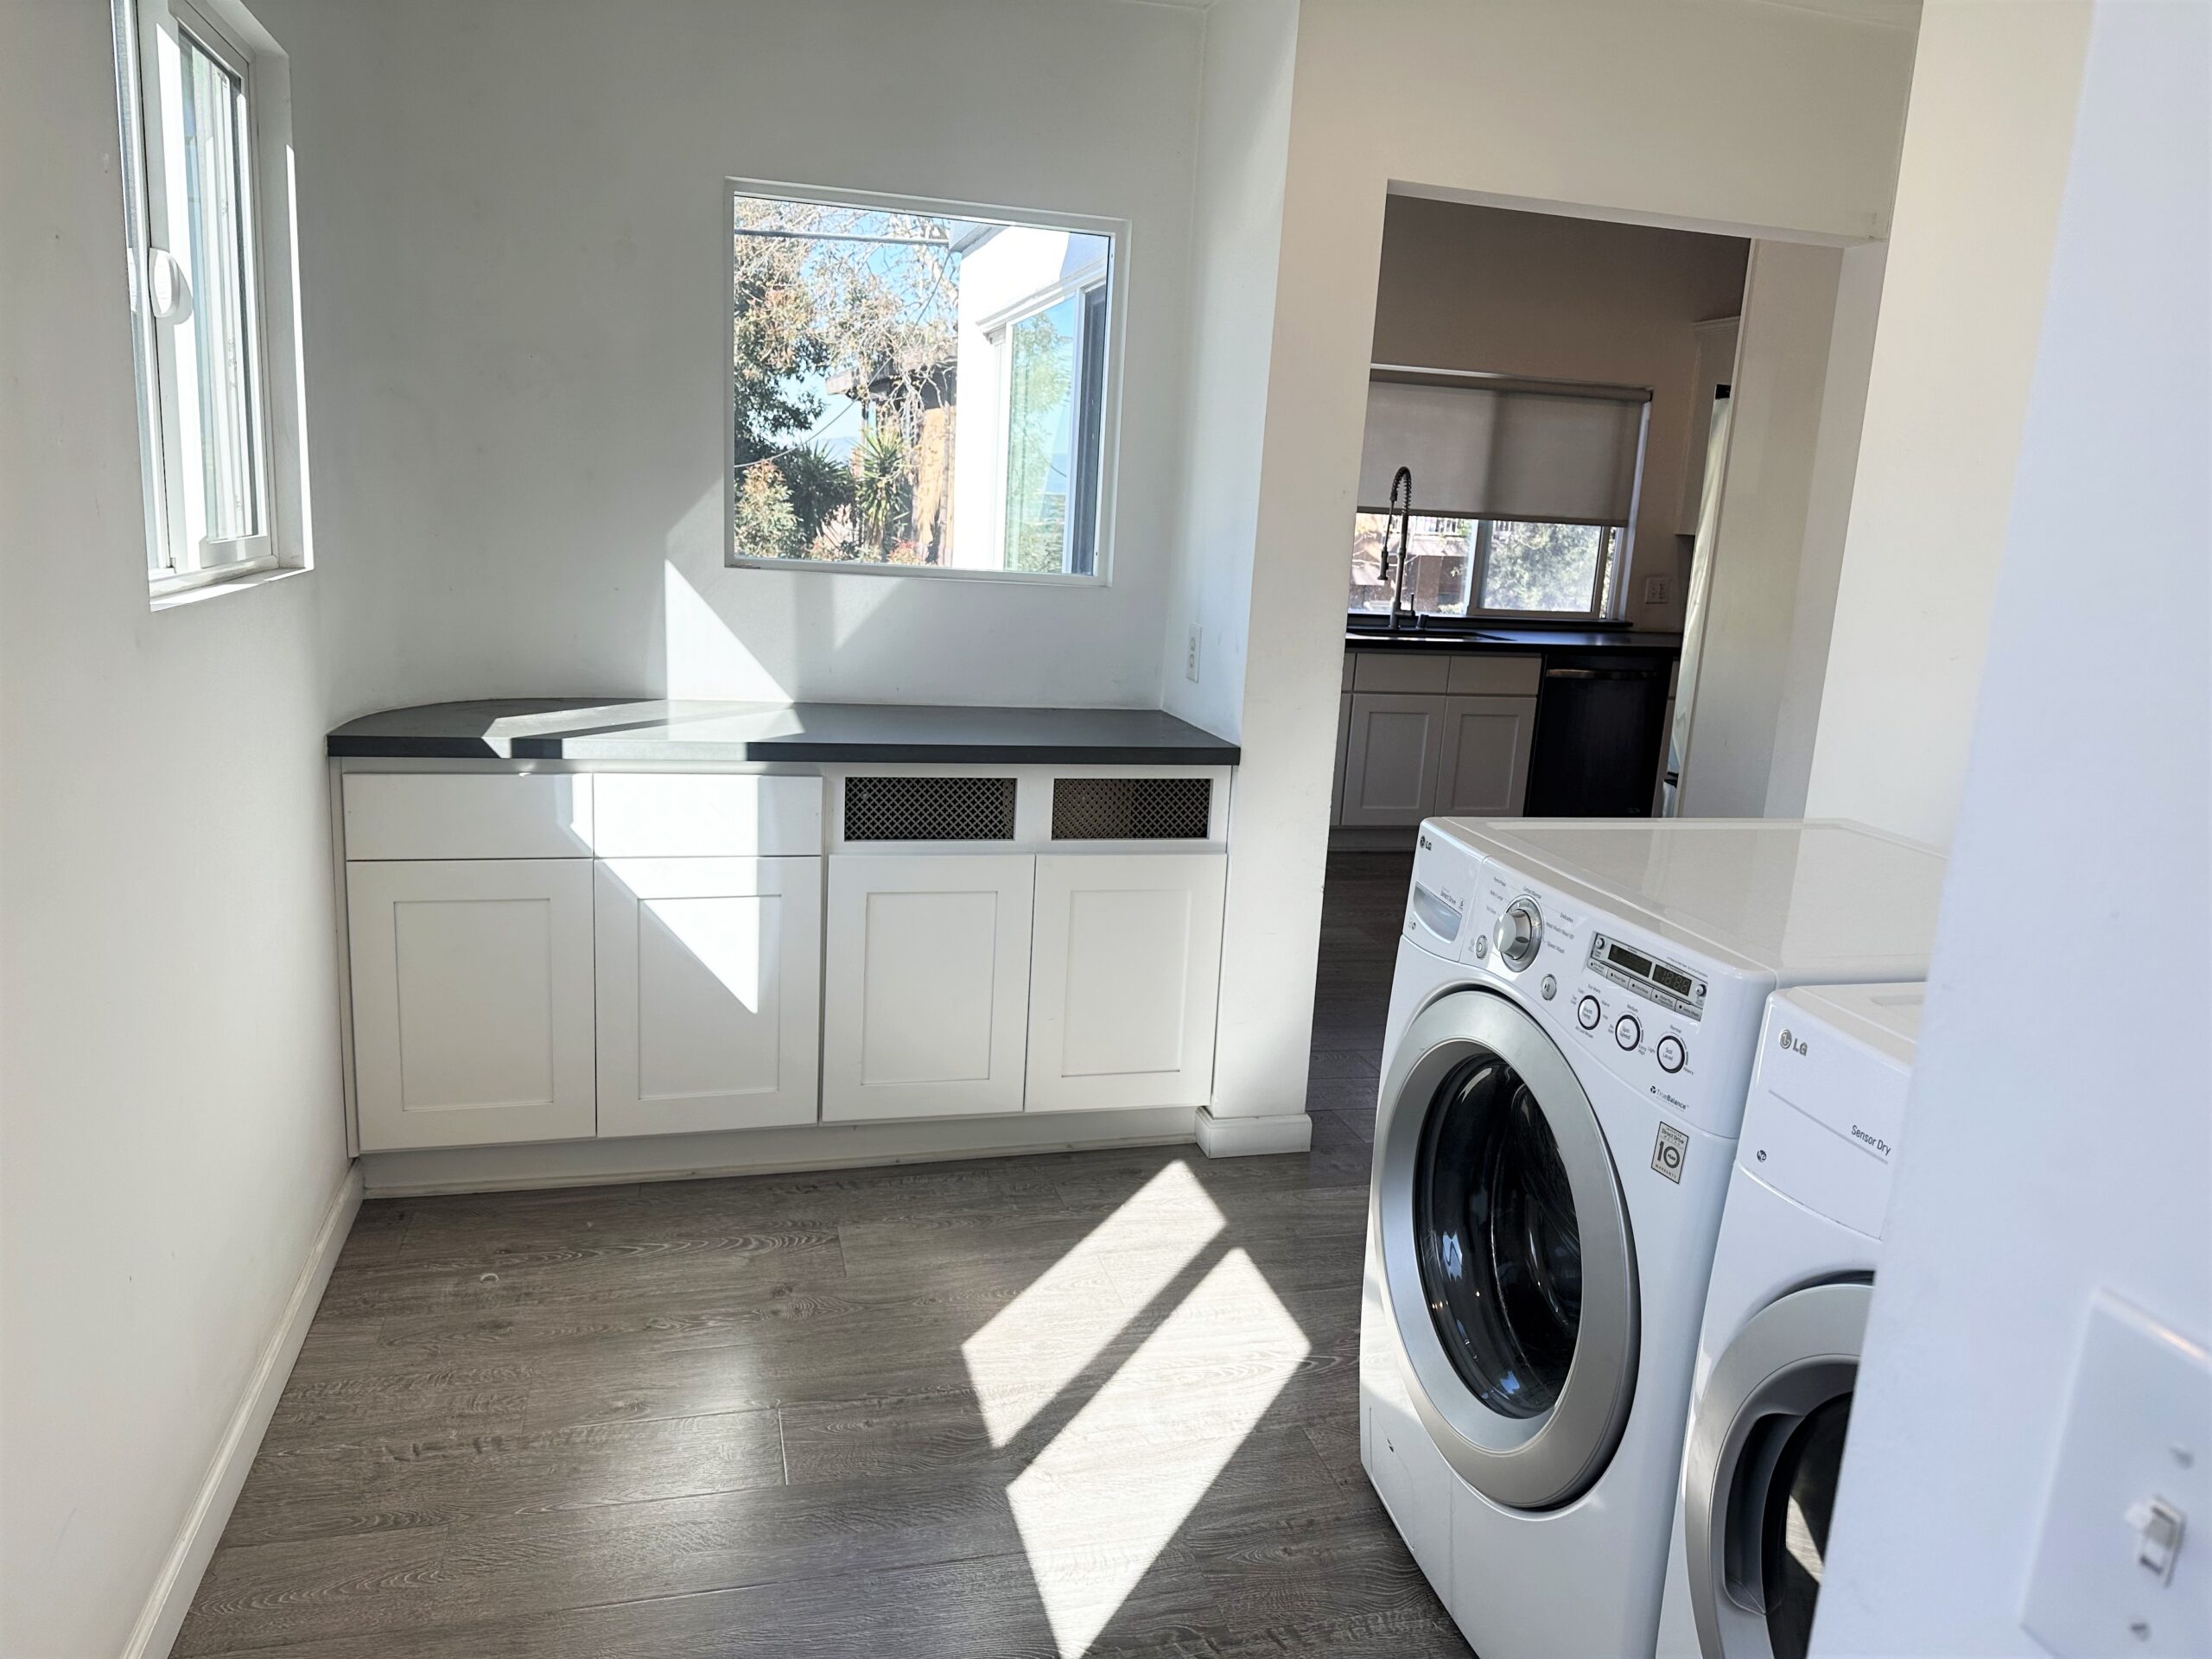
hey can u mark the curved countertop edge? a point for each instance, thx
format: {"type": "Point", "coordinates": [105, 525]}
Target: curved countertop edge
{"type": "Point", "coordinates": [645, 729]}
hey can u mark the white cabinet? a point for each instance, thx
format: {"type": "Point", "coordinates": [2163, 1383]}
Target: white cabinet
{"type": "Point", "coordinates": [1391, 757]}
{"type": "Point", "coordinates": [472, 987]}
{"type": "Point", "coordinates": [1124, 980]}
{"type": "Point", "coordinates": [925, 985]}
{"type": "Point", "coordinates": [1484, 773]}
{"type": "Point", "coordinates": [709, 992]}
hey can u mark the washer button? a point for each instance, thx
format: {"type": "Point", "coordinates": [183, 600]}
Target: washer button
{"type": "Point", "coordinates": [1627, 1033]}
{"type": "Point", "coordinates": [1551, 987]}
{"type": "Point", "coordinates": [1482, 946]}
{"type": "Point", "coordinates": [1588, 1013]}
{"type": "Point", "coordinates": [1671, 1056]}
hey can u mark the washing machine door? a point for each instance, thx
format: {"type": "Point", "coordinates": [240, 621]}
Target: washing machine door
{"type": "Point", "coordinates": [1760, 1471]}
{"type": "Point", "coordinates": [1507, 1257]}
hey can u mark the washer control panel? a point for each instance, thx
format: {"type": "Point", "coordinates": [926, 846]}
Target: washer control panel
{"type": "Point", "coordinates": [1652, 1015]}
{"type": "Point", "coordinates": [1668, 984]}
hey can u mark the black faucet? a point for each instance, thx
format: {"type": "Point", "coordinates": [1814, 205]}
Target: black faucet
{"type": "Point", "coordinates": [1400, 513]}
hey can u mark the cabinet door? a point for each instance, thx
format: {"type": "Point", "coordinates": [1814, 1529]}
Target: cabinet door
{"type": "Point", "coordinates": [1390, 762]}
{"type": "Point", "coordinates": [1484, 774]}
{"type": "Point", "coordinates": [926, 985]}
{"type": "Point", "coordinates": [710, 974]}
{"type": "Point", "coordinates": [1124, 976]}
{"type": "Point", "coordinates": [472, 1001]}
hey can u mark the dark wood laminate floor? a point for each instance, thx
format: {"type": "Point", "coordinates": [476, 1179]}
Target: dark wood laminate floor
{"type": "Point", "coordinates": [1099, 1403]}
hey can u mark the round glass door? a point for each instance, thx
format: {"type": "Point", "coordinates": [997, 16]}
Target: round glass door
{"type": "Point", "coordinates": [1501, 1255]}
{"type": "Point", "coordinates": [1507, 1260]}
{"type": "Point", "coordinates": [1759, 1472]}
{"type": "Point", "coordinates": [1793, 1541]}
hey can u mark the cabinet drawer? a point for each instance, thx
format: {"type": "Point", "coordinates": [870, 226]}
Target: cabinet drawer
{"type": "Point", "coordinates": [705, 815]}
{"type": "Point", "coordinates": [1495, 676]}
{"type": "Point", "coordinates": [433, 815]}
{"type": "Point", "coordinates": [1399, 671]}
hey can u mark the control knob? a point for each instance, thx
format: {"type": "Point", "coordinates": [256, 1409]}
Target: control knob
{"type": "Point", "coordinates": [1588, 1013]}
{"type": "Point", "coordinates": [1627, 1033]}
{"type": "Point", "coordinates": [1671, 1055]}
{"type": "Point", "coordinates": [1520, 930]}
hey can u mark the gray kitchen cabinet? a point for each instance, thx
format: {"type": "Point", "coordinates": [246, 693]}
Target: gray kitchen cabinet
{"type": "Point", "coordinates": [1484, 770]}
{"type": "Point", "coordinates": [1392, 756]}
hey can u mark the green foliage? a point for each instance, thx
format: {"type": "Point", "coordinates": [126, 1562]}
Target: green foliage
{"type": "Point", "coordinates": [1541, 567]}
{"type": "Point", "coordinates": [820, 484]}
{"type": "Point", "coordinates": [764, 523]}
{"type": "Point", "coordinates": [882, 491]}
{"type": "Point", "coordinates": [868, 311]}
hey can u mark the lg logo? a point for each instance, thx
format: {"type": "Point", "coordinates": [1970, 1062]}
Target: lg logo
{"type": "Point", "coordinates": [1794, 1045]}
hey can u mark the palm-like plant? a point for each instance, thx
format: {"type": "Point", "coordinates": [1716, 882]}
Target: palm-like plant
{"type": "Point", "coordinates": [882, 490]}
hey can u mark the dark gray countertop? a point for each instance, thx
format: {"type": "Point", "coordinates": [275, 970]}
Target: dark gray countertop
{"type": "Point", "coordinates": [638, 730]}
{"type": "Point", "coordinates": [1522, 639]}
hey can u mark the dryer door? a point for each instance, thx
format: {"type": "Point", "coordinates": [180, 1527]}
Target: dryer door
{"type": "Point", "coordinates": [1507, 1259]}
{"type": "Point", "coordinates": [1760, 1471]}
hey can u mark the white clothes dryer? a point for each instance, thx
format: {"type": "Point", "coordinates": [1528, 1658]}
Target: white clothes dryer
{"type": "Point", "coordinates": [1778, 1353]}
{"type": "Point", "coordinates": [1569, 1045]}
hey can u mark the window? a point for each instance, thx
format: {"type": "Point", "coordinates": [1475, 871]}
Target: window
{"type": "Point", "coordinates": [918, 390]}
{"type": "Point", "coordinates": [1522, 493]}
{"type": "Point", "coordinates": [1487, 567]}
{"type": "Point", "coordinates": [195, 84]}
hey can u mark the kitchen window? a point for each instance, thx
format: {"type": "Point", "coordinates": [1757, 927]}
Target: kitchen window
{"type": "Point", "coordinates": [1523, 495]}
{"type": "Point", "coordinates": [203, 99]}
{"type": "Point", "coordinates": [918, 390]}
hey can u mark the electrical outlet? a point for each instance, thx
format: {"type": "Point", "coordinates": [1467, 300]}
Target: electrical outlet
{"type": "Point", "coordinates": [1191, 656]}
{"type": "Point", "coordinates": [1657, 590]}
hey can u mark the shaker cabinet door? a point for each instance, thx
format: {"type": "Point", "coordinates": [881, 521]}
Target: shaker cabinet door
{"type": "Point", "coordinates": [925, 995]}
{"type": "Point", "coordinates": [472, 1001]}
{"type": "Point", "coordinates": [709, 992]}
{"type": "Point", "coordinates": [1124, 978]}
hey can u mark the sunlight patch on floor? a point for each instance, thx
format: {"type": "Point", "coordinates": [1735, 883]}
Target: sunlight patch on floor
{"type": "Point", "coordinates": [1098, 1506]}
{"type": "Point", "coordinates": [1041, 1341]}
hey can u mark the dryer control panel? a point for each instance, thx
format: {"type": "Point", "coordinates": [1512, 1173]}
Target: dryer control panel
{"type": "Point", "coordinates": [1676, 1029]}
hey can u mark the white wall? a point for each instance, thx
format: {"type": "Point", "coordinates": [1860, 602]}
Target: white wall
{"type": "Point", "coordinates": [2059, 1139]}
{"type": "Point", "coordinates": [514, 239]}
{"type": "Point", "coordinates": [1984, 157]}
{"type": "Point", "coordinates": [1243, 150]}
{"type": "Point", "coordinates": [1745, 649]}
{"type": "Point", "coordinates": [1713, 115]}
{"type": "Point", "coordinates": [171, 1132]}
{"type": "Point", "coordinates": [1827, 518]}
{"type": "Point", "coordinates": [1463, 287]}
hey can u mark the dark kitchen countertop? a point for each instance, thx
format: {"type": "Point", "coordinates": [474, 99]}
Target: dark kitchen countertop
{"type": "Point", "coordinates": [645, 729]}
{"type": "Point", "coordinates": [1507, 640]}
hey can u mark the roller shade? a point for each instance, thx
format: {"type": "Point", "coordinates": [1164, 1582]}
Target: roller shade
{"type": "Point", "coordinates": [1490, 451]}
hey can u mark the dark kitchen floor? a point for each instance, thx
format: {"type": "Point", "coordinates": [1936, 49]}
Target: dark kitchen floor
{"type": "Point", "coordinates": [1097, 1402]}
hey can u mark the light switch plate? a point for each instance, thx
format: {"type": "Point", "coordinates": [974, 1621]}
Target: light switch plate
{"type": "Point", "coordinates": [2137, 1445]}
{"type": "Point", "coordinates": [1191, 656]}
{"type": "Point", "coordinates": [1657, 590]}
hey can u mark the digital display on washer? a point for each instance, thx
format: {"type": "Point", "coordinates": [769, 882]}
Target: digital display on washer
{"type": "Point", "coordinates": [1668, 986]}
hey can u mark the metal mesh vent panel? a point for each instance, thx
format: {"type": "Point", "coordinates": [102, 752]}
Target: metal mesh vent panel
{"type": "Point", "coordinates": [1131, 808]}
{"type": "Point", "coordinates": [929, 809]}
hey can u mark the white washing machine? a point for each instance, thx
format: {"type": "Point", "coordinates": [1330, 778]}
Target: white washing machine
{"type": "Point", "coordinates": [1778, 1355]}
{"type": "Point", "coordinates": [1570, 1041]}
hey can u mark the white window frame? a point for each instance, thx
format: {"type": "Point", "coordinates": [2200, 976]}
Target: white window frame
{"type": "Point", "coordinates": [178, 565]}
{"type": "Point", "coordinates": [999, 328]}
{"type": "Point", "coordinates": [1116, 275]}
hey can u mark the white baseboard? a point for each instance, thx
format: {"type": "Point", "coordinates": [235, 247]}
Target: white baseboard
{"type": "Point", "coordinates": [1247, 1137]}
{"type": "Point", "coordinates": [171, 1596]}
{"type": "Point", "coordinates": [764, 1152]}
